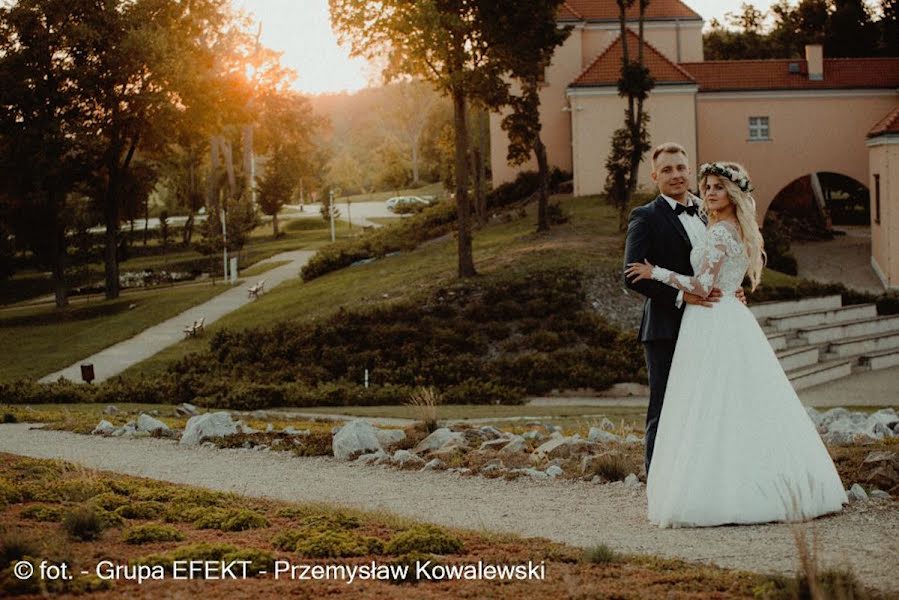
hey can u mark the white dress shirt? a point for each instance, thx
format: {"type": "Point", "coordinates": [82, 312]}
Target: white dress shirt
{"type": "Point", "coordinates": [694, 226]}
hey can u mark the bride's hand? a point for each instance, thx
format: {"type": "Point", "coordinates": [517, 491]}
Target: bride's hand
{"type": "Point", "coordinates": [638, 271]}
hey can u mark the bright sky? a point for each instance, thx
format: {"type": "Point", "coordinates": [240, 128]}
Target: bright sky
{"type": "Point", "coordinates": [302, 30]}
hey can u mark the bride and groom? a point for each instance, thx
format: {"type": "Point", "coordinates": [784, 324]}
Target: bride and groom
{"type": "Point", "coordinates": [726, 435]}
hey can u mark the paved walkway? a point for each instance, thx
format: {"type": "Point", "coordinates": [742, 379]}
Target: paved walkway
{"type": "Point", "coordinates": [863, 537]}
{"type": "Point", "coordinates": [115, 359]}
{"type": "Point", "coordinates": [845, 259]}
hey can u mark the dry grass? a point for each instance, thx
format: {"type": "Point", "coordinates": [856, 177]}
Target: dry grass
{"type": "Point", "coordinates": [424, 401]}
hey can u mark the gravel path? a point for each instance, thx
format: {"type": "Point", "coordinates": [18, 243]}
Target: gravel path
{"type": "Point", "coordinates": [864, 537]}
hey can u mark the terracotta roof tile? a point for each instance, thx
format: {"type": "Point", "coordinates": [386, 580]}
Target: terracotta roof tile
{"type": "Point", "coordinates": [606, 68]}
{"type": "Point", "coordinates": [607, 10]}
{"type": "Point", "coordinates": [888, 124]}
{"type": "Point", "coordinates": [566, 13]}
{"type": "Point", "coordinates": [839, 73]}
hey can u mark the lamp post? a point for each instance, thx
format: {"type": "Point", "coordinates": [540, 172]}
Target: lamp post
{"type": "Point", "coordinates": [331, 212]}
{"type": "Point", "coordinates": [224, 245]}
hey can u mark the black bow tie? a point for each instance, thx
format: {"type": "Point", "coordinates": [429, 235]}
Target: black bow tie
{"type": "Point", "coordinates": [690, 210]}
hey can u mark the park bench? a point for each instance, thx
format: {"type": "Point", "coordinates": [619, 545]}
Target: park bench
{"type": "Point", "coordinates": [254, 290]}
{"type": "Point", "coordinates": [194, 329]}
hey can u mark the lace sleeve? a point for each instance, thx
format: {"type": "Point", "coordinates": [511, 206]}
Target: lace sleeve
{"type": "Point", "coordinates": [720, 240]}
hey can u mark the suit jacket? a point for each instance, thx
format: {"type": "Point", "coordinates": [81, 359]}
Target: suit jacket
{"type": "Point", "coordinates": [656, 233]}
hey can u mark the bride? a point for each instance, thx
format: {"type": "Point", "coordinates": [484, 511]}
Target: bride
{"type": "Point", "coordinates": [734, 444]}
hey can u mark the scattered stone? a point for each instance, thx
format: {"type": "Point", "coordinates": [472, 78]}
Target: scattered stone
{"type": "Point", "coordinates": [880, 495]}
{"type": "Point", "coordinates": [632, 481]}
{"type": "Point", "coordinates": [433, 465]}
{"type": "Point", "coordinates": [490, 432]}
{"type": "Point", "coordinates": [494, 444]}
{"type": "Point", "coordinates": [607, 425]}
{"type": "Point", "coordinates": [857, 493]}
{"type": "Point", "coordinates": [111, 410]}
{"type": "Point", "coordinates": [533, 435]}
{"type": "Point", "coordinates": [269, 427]}
{"type": "Point", "coordinates": [373, 458]}
{"type": "Point", "coordinates": [554, 471]}
{"type": "Point", "coordinates": [186, 409]}
{"type": "Point", "coordinates": [244, 428]}
{"type": "Point", "coordinates": [127, 430]}
{"type": "Point", "coordinates": [633, 439]}
{"type": "Point", "coordinates": [150, 424]}
{"type": "Point", "coordinates": [884, 456]}
{"type": "Point", "coordinates": [404, 457]}
{"type": "Point", "coordinates": [104, 427]}
{"type": "Point", "coordinates": [293, 431]}
{"type": "Point", "coordinates": [438, 439]}
{"type": "Point", "coordinates": [388, 437]}
{"type": "Point", "coordinates": [600, 435]}
{"type": "Point", "coordinates": [355, 437]}
{"type": "Point", "coordinates": [208, 425]}
{"type": "Point", "coordinates": [533, 473]}
{"type": "Point", "coordinates": [515, 445]}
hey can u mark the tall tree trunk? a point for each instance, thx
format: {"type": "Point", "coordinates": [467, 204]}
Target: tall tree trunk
{"type": "Point", "coordinates": [111, 217]}
{"type": "Point", "coordinates": [476, 162]}
{"type": "Point", "coordinates": [58, 251]}
{"type": "Point", "coordinates": [415, 176]}
{"type": "Point", "coordinates": [543, 171]}
{"type": "Point", "coordinates": [463, 208]}
{"type": "Point", "coordinates": [146, 218]}
{"type": "Point", "coordinates": [482, 174]}
{"type": "Point", "coordinates": [188, 229]}
{"type": "Point", "coordinates": [275, 224]}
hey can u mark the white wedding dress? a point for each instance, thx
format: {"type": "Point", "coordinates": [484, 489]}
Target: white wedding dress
{"type": "Point", "coordinates": [734, 443]}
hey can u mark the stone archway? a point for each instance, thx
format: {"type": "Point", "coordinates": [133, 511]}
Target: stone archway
{"type": "Point", "coordinates": [824, 219]}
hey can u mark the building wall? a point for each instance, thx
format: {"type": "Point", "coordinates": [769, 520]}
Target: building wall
{"type": "Point", "coordinates": [884, 161]}
{"type": "Point", "coordinates": [580, 49]}
{"type": "Point", "coordinates": [555, 122]}
{"type": "Point", "coordinates": [810, 132]}
{"type": "Point", "coordinates": [598, 113]}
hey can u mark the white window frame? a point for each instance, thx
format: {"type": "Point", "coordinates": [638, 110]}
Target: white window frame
{"type": "Point", "coordinates": [759, 129]}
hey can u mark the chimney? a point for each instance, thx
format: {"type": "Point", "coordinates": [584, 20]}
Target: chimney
{"type": "Point", "coordinates": [814, 56]}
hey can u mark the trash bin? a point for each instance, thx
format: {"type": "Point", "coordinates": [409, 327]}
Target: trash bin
{"type": "Point", "coordinates": [87, 372]}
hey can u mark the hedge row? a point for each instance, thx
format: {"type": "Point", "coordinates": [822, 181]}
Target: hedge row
{"type": "Point", "coordinates": [887, 303]}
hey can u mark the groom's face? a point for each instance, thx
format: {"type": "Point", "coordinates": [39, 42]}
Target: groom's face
{"type": "Point", "coordinates": [672, 174]}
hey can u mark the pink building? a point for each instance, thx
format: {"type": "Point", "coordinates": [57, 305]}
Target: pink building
{"type": "Point", "coordinates": [783, 119]}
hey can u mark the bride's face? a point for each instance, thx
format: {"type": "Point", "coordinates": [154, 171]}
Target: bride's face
{"type": "Point", "coordinates": [715, 194]}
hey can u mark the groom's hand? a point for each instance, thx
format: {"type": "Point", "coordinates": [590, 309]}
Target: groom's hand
{"type": "Point", "coordinates": [708, 302]}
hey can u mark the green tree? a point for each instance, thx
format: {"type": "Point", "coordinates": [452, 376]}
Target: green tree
{"type": "Point", "coordinates": [441, 41]}
{"type": "Point", "coordinates": [631, 141]}
{"type": "Point", "coordinates": [889, 28]}
{"type": "Point", "coordinates": [44, 152]}
{"type": "Point", "coordinates": [277, 187]}
{"type": "Point", "coordinates": [523, 36]}
{"type": "Point", "coordinates": [850, 30]}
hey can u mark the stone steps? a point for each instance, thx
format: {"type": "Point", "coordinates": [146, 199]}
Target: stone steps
{"type": "Point", "coordinates": [828, 316]}
{"type": "Point", "coordinates": [797, 358]}
{"type": "Point", "coordinates": [818, 340]}
{"type": "Point", "coordinates": [820, 373]}
{"type": "Point", "coordinates": [855, 328]}
{"type": "Point", "coordinates": [780, 308]}
{"type": "Point", "coordinates": [880, 360]}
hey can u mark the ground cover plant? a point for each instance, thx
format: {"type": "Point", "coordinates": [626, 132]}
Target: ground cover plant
{"type": "Point", "coordinates": [302, 533]}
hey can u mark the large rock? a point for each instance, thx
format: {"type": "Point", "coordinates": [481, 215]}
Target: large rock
{"type": "Point", "coordinates": [355, 437]}
{"type": "Point", "coordinates": [857, 493]}
{"type": "Point", "coordinates": [439, 438]}
{"type": "Point", "coordinates": [104, 427]}
{"type": "Point", "coordinates": [554, 449]}
{"type": "Point", "coordinates": [185, 409]}
{"type": "Point", "coordinates": [597, 434]}
{"type": "Point", "coordinates": [208, 425]}
{"type": "Point", "coordinates": [404, 457]}
{"type": "Point", "coordinates": [494, 444]}
{"type": "Point", "coordinates": [885, 416]}
{"type": "Point", "coordinates": [516, 444]}
{"type": "Point", "coordinates": [149, 424]}
{"type": "Point", "coordinates": [390, 436]}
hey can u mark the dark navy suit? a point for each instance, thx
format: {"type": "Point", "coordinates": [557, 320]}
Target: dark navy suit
{"type": "Point", "coordinates": [656, 233]}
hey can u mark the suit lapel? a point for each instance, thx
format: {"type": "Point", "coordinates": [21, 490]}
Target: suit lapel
{"type": "Point", "coordinates": [672, 218]}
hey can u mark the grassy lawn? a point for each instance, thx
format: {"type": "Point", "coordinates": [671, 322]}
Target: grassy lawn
{"type": "Point", "coordinates": [63, 512]}
{"type": "Point", "coordinates": [43, 339]}
{"type": "Point", "coordinates": [590, 240]}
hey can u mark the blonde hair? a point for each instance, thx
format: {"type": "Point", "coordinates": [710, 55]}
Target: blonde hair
{"type": "Point", "coordinates": [668, 147]}
{"type": "Point", "coordinates": [745, 207]}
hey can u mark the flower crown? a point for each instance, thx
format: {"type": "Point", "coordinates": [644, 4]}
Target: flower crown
{"type": "Point", "coordinates": [721, 170]}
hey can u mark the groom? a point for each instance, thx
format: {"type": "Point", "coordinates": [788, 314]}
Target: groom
{"type": "Point", "coordinates": [664, 231]}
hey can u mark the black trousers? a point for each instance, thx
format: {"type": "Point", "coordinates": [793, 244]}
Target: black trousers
{"type": "Point", "coordinates": [659, 354]}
